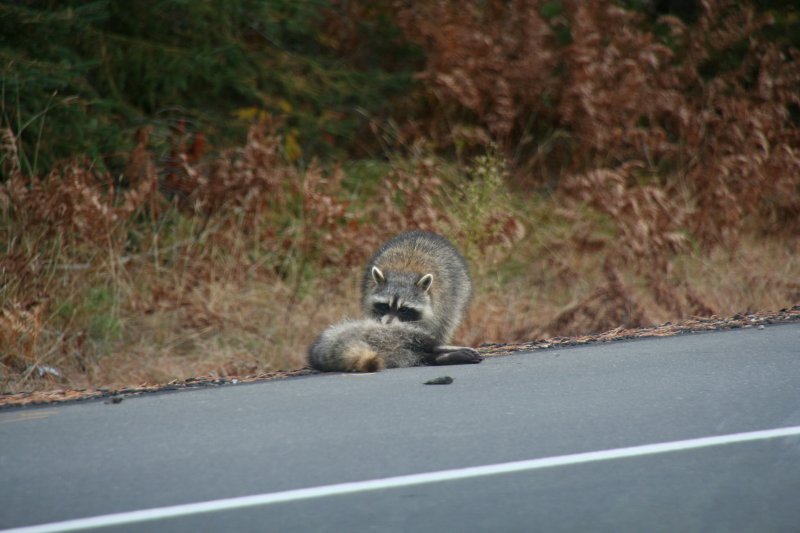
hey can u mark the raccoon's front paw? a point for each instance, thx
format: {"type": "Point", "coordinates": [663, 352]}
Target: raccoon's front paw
{"type": "Point", "coordinates": [469, 355]}
{"type": "Point", "coordinates": [462, 356]}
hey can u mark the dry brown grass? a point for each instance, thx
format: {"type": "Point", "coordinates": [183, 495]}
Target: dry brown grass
{"type": "Point", "coordinates": [225, 266]}
{"type": "Point", "coordinates": [692, 105]}
{"type": "Point", "coordinates": [568, 292]}
{"type": "Point", "coordinates": [677, 194]}
{"type": "Point", "coordinates": [114, 295]}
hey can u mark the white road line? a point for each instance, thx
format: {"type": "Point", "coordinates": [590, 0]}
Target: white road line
{"type": "Point", "coordinates": [161, 513]}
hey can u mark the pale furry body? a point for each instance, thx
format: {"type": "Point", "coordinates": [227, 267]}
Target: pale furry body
{"type": "Point", "coordinates": [415, 291]}
{"type": "Point", "coordinates": [366, 345]}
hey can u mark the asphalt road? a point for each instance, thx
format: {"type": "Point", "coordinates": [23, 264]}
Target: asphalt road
{"type": "Point", "coordinates": [59, 463]}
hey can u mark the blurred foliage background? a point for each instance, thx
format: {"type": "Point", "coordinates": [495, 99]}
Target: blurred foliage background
{"type": "Point", "coordinates": [80, 77]}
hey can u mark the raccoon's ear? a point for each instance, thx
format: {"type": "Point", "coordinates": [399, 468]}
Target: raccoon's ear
{"type": "Point", "coordinates": [377, 276]}
{"type": "Point", "coordinates": [425, 282]}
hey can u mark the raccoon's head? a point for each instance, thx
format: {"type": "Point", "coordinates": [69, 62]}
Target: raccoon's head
{"type": "Point", "coordinates": [399, 297]}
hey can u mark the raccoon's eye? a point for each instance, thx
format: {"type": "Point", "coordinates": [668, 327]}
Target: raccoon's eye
{"type": "Point", "coordinates": [381, 308]}
{"type": "Point", "coordinates": [407, 314]}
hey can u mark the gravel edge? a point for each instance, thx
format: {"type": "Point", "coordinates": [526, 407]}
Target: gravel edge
{"type": "Point", "coordinates": [693, 325]}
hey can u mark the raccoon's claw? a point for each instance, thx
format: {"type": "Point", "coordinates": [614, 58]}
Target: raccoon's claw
{"type": "Point", "coordinates": [469, 355]}
{"type": "Point", "coordinates": [462, 356]}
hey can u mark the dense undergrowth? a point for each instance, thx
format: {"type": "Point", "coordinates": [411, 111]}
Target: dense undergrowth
{"type": "Point", "coordinates": [599, 165]}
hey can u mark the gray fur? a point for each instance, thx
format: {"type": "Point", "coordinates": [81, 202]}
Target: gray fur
{"type": "Point", "coordinates": [403, 262]}
{"type": "Point", "coordinates": [400, 344]}
{"type": "Point", "coordinates": [415, 291]}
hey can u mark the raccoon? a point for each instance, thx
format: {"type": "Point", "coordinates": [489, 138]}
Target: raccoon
{"type": "Point", "coordinates": [415, 291]}
{"type": "Point", "coordinates": [367, 345]}
{"type": "Point", "coordinates": [417, 277]}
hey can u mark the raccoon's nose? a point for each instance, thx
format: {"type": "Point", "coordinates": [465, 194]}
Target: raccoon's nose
{"type": "Point", "coordinates": [387, 319]}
